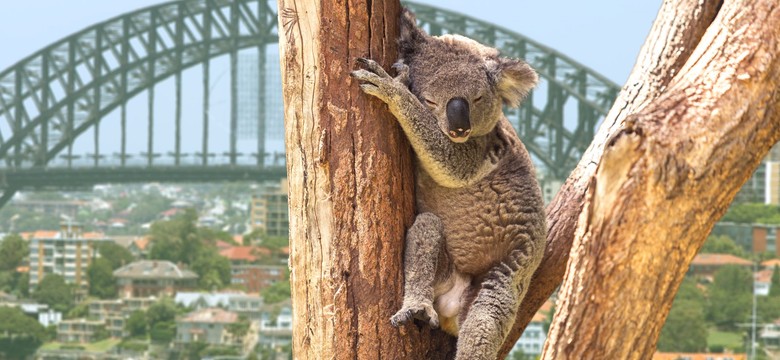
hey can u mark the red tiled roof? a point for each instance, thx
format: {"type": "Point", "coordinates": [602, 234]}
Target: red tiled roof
{"type": "Point", "coordinates": [771, 263]}
{"type": "Point", "coordinates": [719, 260]}
{"type": "Point", "coordinates": [245, 253]}
{"type": "Point", "coordinates": [39, 234]}
{"type": "Point", "coordinates": [141, 243]}
{"type": "Point", "coordinates": [285, 250]}
{"type": "Point", "coordinates": [764, 276]}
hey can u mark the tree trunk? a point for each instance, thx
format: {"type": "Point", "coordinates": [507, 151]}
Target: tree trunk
{"type": "Point", "coordinates": [351, 186]}
{"type": "Point", "coordinates": [698, 115]}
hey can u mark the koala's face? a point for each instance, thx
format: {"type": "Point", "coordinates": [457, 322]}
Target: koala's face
{"type": "Point", "coordinates": [462, 82]}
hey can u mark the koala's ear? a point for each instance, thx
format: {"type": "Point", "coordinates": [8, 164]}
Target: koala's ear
{"type": "Point", "coordinates": [411, 35]}
{"type": "Point", "coordinates": [513, 78]}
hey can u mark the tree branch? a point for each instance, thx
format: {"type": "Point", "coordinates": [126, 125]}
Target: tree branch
{"type": "Point", "coordinates": [665, 177]}
{"type": "Point", "coordinates": [678, 27]}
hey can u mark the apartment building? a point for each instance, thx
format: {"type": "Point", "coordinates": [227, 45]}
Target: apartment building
{"type": "Point", "coordinates": [79, 330]}
{"type": "Point", "coordinates": [114, 312]}
{"type": "Point", "coordinates": [67, 252]}
{"type": "Point", "coordinates": [269, 210]}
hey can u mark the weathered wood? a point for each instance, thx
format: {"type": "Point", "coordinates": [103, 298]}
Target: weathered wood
{"type": "Point", "coordinates": [666, 175]}
{"type": "Point", "coordinates": [351, 186]}
{"type": "Point", "coordinates": [677, 29]}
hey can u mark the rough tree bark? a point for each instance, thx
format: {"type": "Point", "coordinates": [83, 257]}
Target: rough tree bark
{"type": "Point", "coordinates": [351, 186]}
{"type": "Point", "coordinates": [698, 114]}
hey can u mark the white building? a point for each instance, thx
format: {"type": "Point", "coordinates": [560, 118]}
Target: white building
{"type": "Point", "coordinates": [67, 252]}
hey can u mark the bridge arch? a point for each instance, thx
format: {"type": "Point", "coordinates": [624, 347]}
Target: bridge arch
{"type": "Point", "coordinates": [55, 95]}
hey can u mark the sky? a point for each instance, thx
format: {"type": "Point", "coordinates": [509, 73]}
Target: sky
{"type": "Point", "coordinates": [604, 35]}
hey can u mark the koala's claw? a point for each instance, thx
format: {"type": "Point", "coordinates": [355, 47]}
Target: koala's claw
{"type": "Point", "coordinates": [424, 312]}
{"type": "Point", "coordinates": [373, 66]}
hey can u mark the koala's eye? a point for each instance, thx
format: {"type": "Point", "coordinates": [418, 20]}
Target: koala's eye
{"type": "Point", "coordinates": [429, 102]}
{"type": "Point", "coordinates": [477, 99]}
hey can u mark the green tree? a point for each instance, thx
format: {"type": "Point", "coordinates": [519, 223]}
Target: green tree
{"type": "Point", "coordinates": [148, 207]}
{"type": "Point", "coordinates": [136, 323]}
{"type": "Point", "coordinates": [101, 279]}
{"type": "Point", "coordinates": [116, 255]}
{"type": "Point", "coordinates": [240, 328]}
{"type": "Point", "coordinates": [748, 213]}
{"type": "Point", "coordinates": [163, 332]}
{"type": "Point", "coordinates": [730, 296]}
{"type": "Point", "coordinates": [722, 244]}
{"type": "Point", "coordinates": [53, 291]}
{"type": "Point", "coordinates": [13, 250]}
{"type": "Point", "coordinates": [177, 239]}
{"type": "Point", "coordinates": [277, 292]}
{"type": "Point", "coordinates": [774, 285]}
{"type": "Point", "coordinates": [161, 311]}
{"type": "Point", "coordinates": [180, 240]}
{"type": "Point", "coordinates": [213, 270]}
{"type": "Point", "coordinates": [194, 349]}
{"type": "Point", "coordinates": [22, 287]}
{"type": "Point", "coordinates": [685, 329]}
{"type": "Point", "coordinates": [20, 335]}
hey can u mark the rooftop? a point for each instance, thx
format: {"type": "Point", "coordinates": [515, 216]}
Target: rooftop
{"type": "Point", "coordinates": [719, 260]}
{"type": "Point", "coordinates": [771, 263]}
{"type": "Point", "coordinates": [244, 253]}
{"type": "Point", "coordinates": [211, 315]}
{"type": "Point", "coordinates": [697, 356]}
{"type": "Point", "coordinates": [154, 269]}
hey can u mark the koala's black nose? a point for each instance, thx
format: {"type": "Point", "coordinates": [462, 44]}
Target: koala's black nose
{"type": "Point", "coordinates": [458, 117]}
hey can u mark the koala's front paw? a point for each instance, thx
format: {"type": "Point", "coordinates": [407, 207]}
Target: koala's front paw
{"type": "Point", "coordinates": [377, 82]}
{"type": "Point", "coordinates": [421, 311]}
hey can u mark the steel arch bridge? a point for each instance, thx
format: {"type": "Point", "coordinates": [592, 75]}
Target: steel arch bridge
{"type": "Point", "coordinates": [64, 92]}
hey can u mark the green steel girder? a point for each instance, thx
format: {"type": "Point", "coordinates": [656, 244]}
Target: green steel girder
{"type": "Point", "coordinates": [57, 94]}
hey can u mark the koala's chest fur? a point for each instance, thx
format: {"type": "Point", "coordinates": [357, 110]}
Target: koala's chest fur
{"type": "Point", "coordinates": [487, 220]}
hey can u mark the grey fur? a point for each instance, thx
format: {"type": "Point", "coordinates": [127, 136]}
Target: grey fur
{"type": "Point", "coordinates": [480, 233]}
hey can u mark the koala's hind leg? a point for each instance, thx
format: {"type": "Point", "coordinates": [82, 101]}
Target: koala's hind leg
{"type": "Point", "coordinates": [423, 245]}
{"type": "Point", "coordinates": [493, 311]}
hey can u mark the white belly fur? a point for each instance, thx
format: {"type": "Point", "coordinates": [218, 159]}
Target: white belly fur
{"type": "Point", "coordinates": [449, 303]}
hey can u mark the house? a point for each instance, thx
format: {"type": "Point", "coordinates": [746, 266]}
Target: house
{"type": "Point", "coordinates": [156, 278]}
{"type": "Point", "coordinates": [210, 326]}
{"type": "Point", "coordinates": [254, 278]}
{"type": "Point", "coordinates": [276, 330]}
{"type": "Point", "coordinates": [139, 247]}
{"type": "Point", "coordinates": [705, 265]}
{"type": "Point", "coordinates": [762, 282]}
{"type": "Point", "coordinates": [239, 255]}
{"type": "Point", "coordinates": [531, 342]}
{"type": "Point", "coordinates": [770, 264]}
{"type": "Point", "coordinates": [770, 335]}
{"type": "Point", "coordinates": [40, 312]}
{"type": "Point", "coordinates": [202, 300]}
{"type": "Point", "coordinates": [79, 330]}
{"type": "Point", "coordinates": [698, 356]}
{"type": "Point", "coordinates": [249, 306]}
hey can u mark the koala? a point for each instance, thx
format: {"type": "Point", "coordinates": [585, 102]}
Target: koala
{"type": "Point", "coordinates": [480, 231]}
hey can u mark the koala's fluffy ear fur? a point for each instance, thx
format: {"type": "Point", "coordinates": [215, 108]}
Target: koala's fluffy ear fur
{"type": "Point", "coordinates": [513, 79]}
{"type": "Point", "coordinates": [411, 36]}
